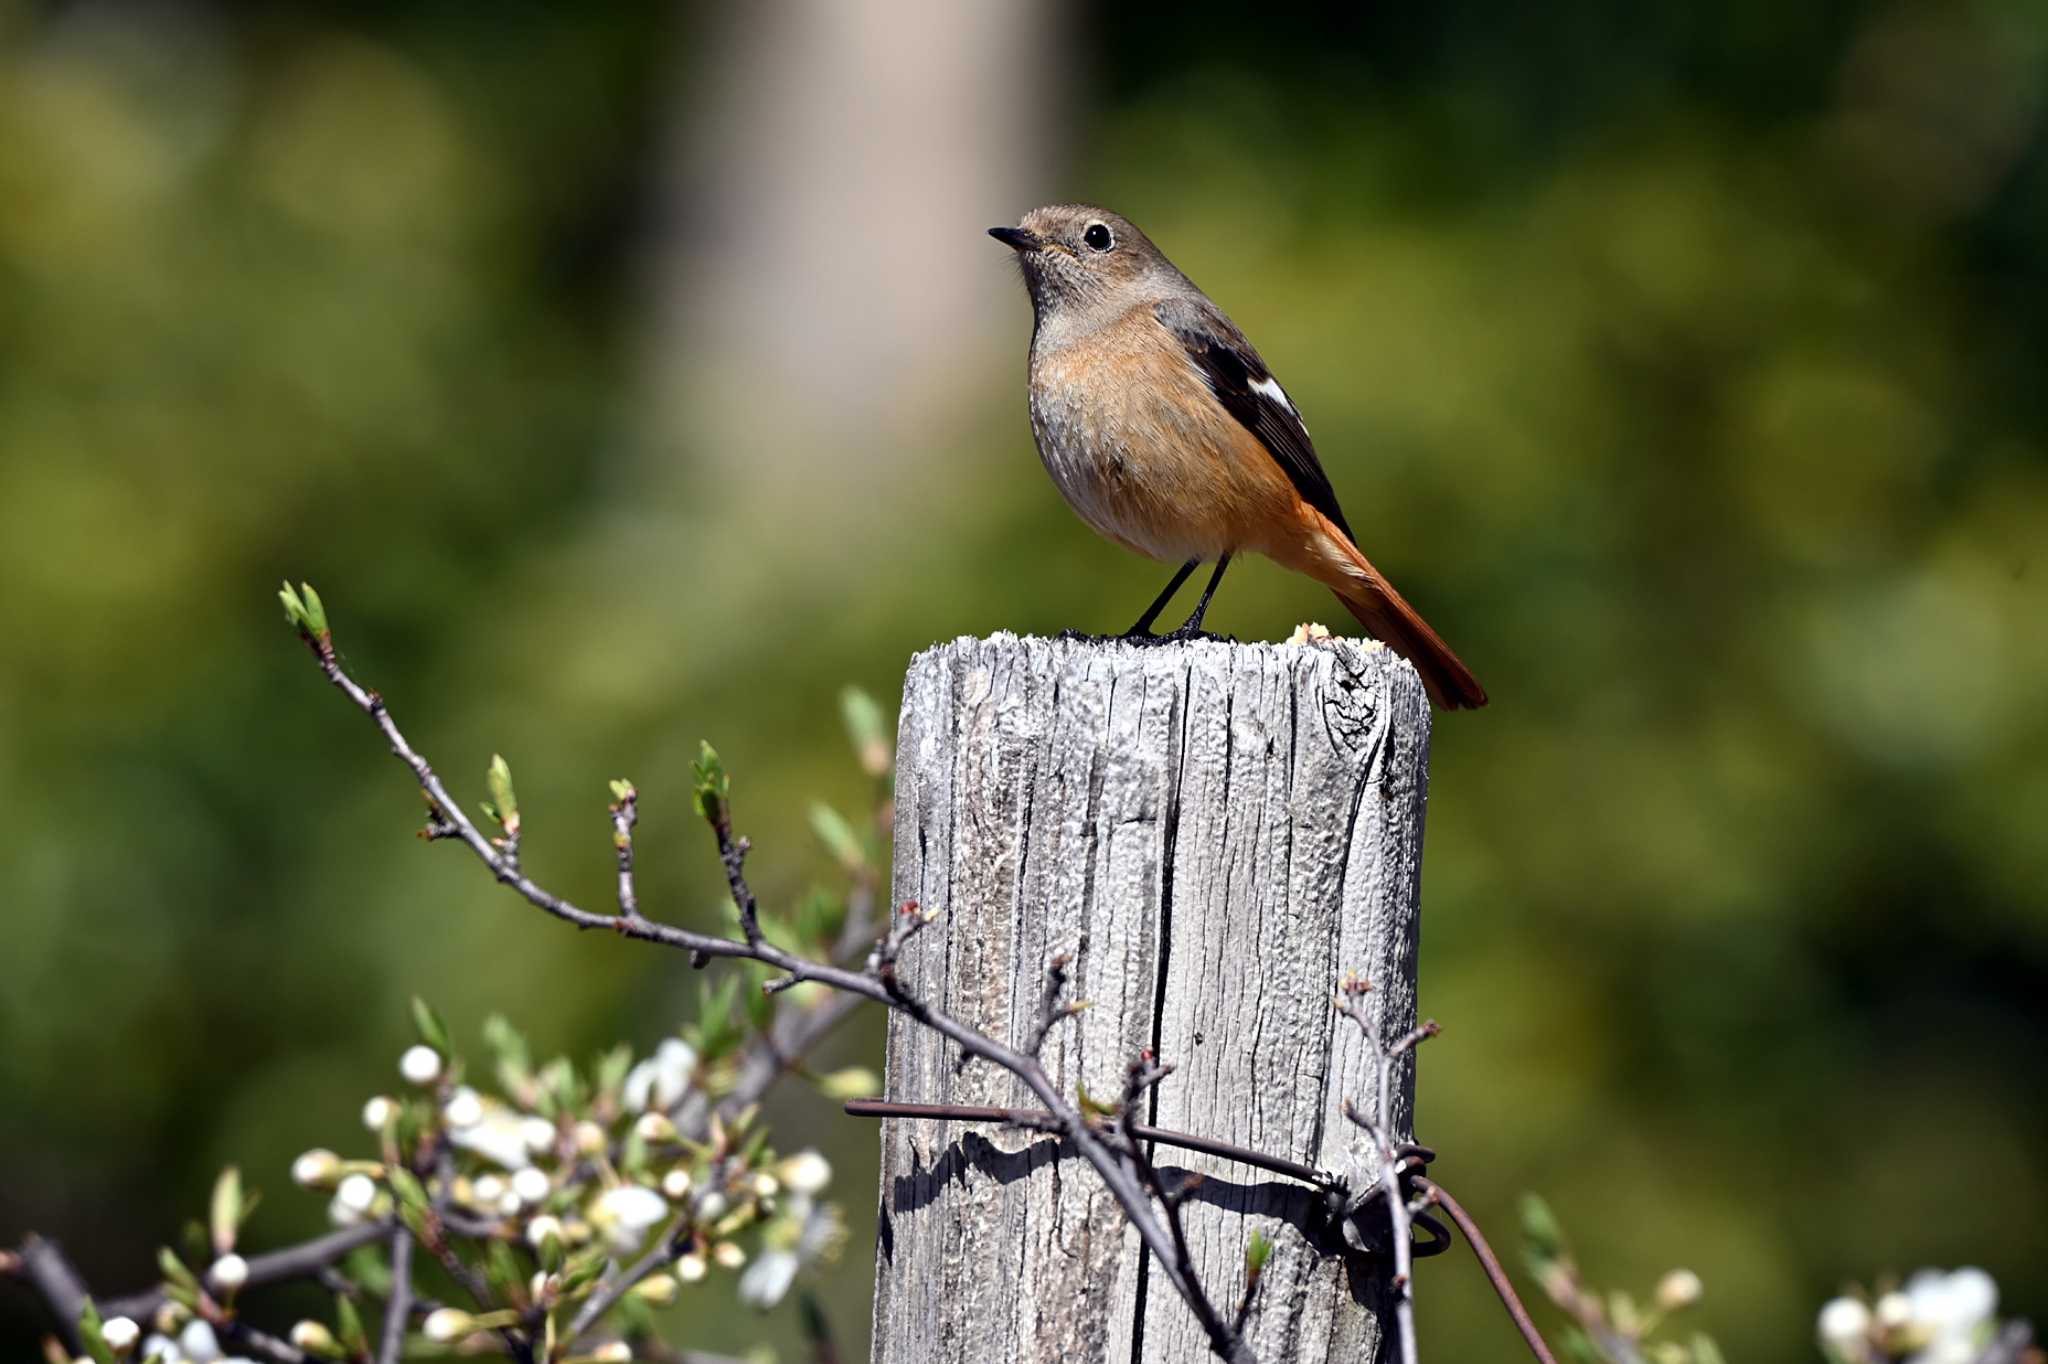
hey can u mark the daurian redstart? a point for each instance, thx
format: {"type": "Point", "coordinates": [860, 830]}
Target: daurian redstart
{"type": "Point", "coordinates": [1168, 434]}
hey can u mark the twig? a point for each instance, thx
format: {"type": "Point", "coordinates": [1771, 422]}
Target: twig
{"type": "Point", "coordinates": [302, 1261]}
{"type": "Point", "coordinates": [1392, 1164]}
{"type": "Point", "coordinates": [625, 814]}
{"type": "Point", "coordinates": [621, 1283]}
{"type": "Point", "coordinates": [878, 983]}
{"type": "Point", "coordinates": [398, 1308]}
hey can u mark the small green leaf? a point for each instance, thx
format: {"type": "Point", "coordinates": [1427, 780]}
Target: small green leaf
{"type": "Point", "coordinates": [610, 1071]}
{"type": "Point", "coordinates": [838, 836]}
{"type": "Point", "coordinates": [350, 1327]}
{"type": "Point", "coordinates": [514, 1061]}
{"type": "Point", "coordinates": [407, 1189]}
{"type": "Point", "coordinates": [1257, 1251]}
{"type": "Point", "coordinates": [502, 796]}
{"type": "Point", "coordinates": [502, 1272]}
{"type": "Point", "coordinates": [431, 1029]}
{"type": "Point", "coordinates": [713, 786]}
{"type": "Point", "coordinates": [224, 1212]}
{"type": "Point", "coordinates": [89, 1332]}
{"type": "Point", "coordinates": [867, 729]}
{"type": "Point", "coordinates": [1540, 1226]}
{"type": "Point", "coordinates": [174, 1271]}
{"type": "Point", "coordinates": [622, 790]}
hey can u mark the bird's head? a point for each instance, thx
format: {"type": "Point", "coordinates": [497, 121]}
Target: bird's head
{"type": "Point", "coordinates": [1078, 257]}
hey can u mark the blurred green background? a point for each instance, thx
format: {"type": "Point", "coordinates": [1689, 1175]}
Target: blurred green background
{"type": "Point", "coordinates": [625, 374]}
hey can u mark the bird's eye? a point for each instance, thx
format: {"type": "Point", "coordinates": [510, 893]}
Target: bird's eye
{"type": "Point", "coordinates": [1098, 237]}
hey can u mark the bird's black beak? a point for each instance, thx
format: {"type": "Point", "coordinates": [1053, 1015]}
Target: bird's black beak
{"type": "Point", "coordinates": [1016, 238]}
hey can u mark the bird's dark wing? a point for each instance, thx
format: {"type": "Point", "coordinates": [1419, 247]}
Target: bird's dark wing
{"type": "Point", "coordinates": [1250, 393]}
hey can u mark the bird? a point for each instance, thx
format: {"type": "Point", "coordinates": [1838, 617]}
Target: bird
{"type": "Point", "coordinates": [1168, 434]}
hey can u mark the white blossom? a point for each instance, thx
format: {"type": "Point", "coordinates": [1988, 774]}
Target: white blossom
{"type": "Point", "coordinates": [197, 1343]}
{"type": "Point", "coordinates": [766, 1185]}
{"type": "Point", "coordinates": [531, 1184]}
{"type": "Point", "coordinates": [162, 1349]}
{"type": "Point", "coordinates": [229, 1273]}
{"type": "Point", "coordinates": [420, 1065]}
{"type": "Point", "coordinates": [498, 1134]}
{"type": "Point", "coordinates": [676, 1182]}
{"type": "Point", "coordinates": [120, 1333]}
{"type": "Point", "coordinates": [1843, 1327]}
{"type": "Point", "coordinates": [378, 1111]}
{"type": "Point", "coordinates": [357, 1192]}
{"type": "Point", "coordinates": [1953, 1312]}
{"type": "Point", "coordinates": [660, 1081]}
{"type": "Point", "coordinates": [538, 1133]}
{"type": "Point", "coordinates": [690, 1267]}
{"type": "Point", "coordinates": [487, 1189]}
{"type": "Point", "coordinates": [768, 1278]}
{"type": "Point", "coordinates": [624, 1214]}
{"type": "Point", "coordinates": [465, 1108]}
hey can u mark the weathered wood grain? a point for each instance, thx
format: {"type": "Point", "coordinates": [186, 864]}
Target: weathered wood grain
{"type": "Point", "coordinates": [1217, 833]}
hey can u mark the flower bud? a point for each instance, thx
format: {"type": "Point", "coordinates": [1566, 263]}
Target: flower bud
{"type": "Point", "coordinates": [1680, 1288]}
{"type": "Point", "coordinates": [690, 1267]}
{"type": "Point", "coordinates": [445, 1324]}
{"type": "Point", "coordinates": [316, 1169]}
{"type": "Point", "coordinates": [538, 1134]}
{"type": "Point", "coordinates": [711, 1206]}
{"type": "Point", "coordinates": [612, 1352]}
{"type": "Point", "coordinates": [766, 1185]}
{"type": "Point", "coordinates": [676, 1182]}
{"type": "Point", "coordinates": [229, 1273]}
{"type": "Point", "coordinates": [544, 1286]}
{"type": "Point", "coordinates": [542, 1227]}
{"type": "Point", "coordinates": [120, 1333]}
{"type": "Point", "coordinates": [420, 1065]}
{"type": "Point", "coordinates": [654, 1128]}
{"type": "Point", "coordinates": [315, 1339]}
{"type": "Point", "coordinates": [854, 1082]}
{"type": "Point", "coordinates": [806, 1172]}
{"type": "Point", "coordinates": [487, 1189]}
{"type": "Point", "coordinates": [590, 1139]}
{"type": "Point", "coordinates": [728, 1255]}
{"type": "Point", "coordinates": [1894, 1310]}
{"type": "Point", "coordinates": [378, 1113]}
{"type": "Point", "coordinates": [659, 1289]}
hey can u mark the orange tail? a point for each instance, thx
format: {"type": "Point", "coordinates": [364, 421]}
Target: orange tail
{"type": "Point", "coordinates": [1382, 610]}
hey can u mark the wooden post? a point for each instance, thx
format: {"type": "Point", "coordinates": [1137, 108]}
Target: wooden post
{"type": "Point", "coordinates": [1216, 833]}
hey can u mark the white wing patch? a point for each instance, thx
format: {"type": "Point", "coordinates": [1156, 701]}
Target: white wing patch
{"type": "Point", "coordinates": [1271, 388]}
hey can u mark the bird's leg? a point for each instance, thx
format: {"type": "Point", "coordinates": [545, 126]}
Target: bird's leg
{"type": "Point", "coordinates": [1191, 628]}
{"type": "Point", "coordinates": [1144, 625]}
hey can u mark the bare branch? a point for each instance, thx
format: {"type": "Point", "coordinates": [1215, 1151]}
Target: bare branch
{"type": "Point", "coordinates": [398, 1309]}
{"type": "Point", "coordinates": [878, 983]}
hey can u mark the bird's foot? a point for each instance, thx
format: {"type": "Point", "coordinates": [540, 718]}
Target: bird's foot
{"type": "Point", "coordinates": [1186, 634]}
